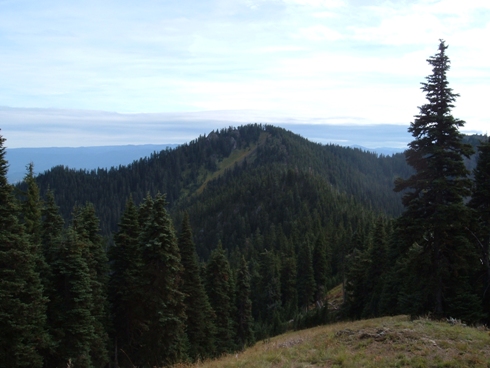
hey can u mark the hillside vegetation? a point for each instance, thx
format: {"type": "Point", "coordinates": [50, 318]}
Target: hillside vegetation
{"type": "Point", "coordinates": [235, 163]}
{"type": "Point", "coordinates": [381, 342]}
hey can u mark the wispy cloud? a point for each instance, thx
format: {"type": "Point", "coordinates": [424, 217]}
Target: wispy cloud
{"type": "Point", "coordinates": [299, 58]}
{"type": "Point", "coordinates": [81, 128]}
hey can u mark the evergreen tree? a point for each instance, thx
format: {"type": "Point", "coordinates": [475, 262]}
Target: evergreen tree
{"type": "Point", "coordinates": [124, 285]}
{"type": "Point", "coordinates": [306, 277]}
{"type": "Point", "coordinates": [269, 302]}
{"type": "Point", "coordinates": [388, 300]}
{"type": "Point", "coordinates": [145, 210]}
{"type": "Point", "coordinates": [435, 216]}
{"type": "Point", "coordinates": [358, 263]}
{"type": "Point", "coordinates": [71, 318]}
{"type": "Point", "coordinates": [255, 280]}
{"type": "Point", "coordinates": [86, 225]}
{"type": "Point", "coordinates": [320, 268]}
{"type": "Point", "coordinates": [376, 270]}
{"type": "Point", "coordinates": [52, 223]}
{"type": "Point", "coordinates": [31, 207]}
{"type": "Point", "coordinates": [233, 311]}
{"type": "Point", "coordinates": [289, 291]}
{"type": "Point", "coordinates": [244, 320]}
{"type": "Point", "coordinates": [218, 276]}
{"type": "Point", "coordinates": [480, 203]}
{"type": "Point", "coordinates": [22, 305]}
{"type": "Point", "coordinates": [51, 240]}
{"type": "Point", "coordinates": [199, 326]}
{"type": "Point", "coordinates": [163, 336]}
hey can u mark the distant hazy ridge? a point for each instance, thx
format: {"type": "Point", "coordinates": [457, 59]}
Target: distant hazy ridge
{"type": "Point", "coordinates": [77, 158]}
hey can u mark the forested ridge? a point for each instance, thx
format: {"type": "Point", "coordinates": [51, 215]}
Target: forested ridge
{"type": "Point", "coordinates": [237, 236]}
{"type": "Point", "coordinates": [227, 158]}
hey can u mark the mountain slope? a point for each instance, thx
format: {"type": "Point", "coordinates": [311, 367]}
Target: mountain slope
{"type": "Point", "coordinates": [185, 172]}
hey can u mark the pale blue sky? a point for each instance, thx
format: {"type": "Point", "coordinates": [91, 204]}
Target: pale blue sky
{"type": "Point", "coordinates": [323, 61]}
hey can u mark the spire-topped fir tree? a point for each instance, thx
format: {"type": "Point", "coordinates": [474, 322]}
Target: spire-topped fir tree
{"type": "Point", "coordinates": [163, 337]}
{"type": "Point", "coordinates": [125, 284]}
{"type": "Point", "coordinates": [219, 290]}
{"type": "Point", "coordinates": [435, 214]}
{"type": "Point", "coordinates": [199, 326]}
{"type": "Point", "coordinates": [22, 304]}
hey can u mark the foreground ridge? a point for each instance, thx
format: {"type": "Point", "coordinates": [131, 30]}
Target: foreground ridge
{"type": "Point", "coordinates": [381, 342]}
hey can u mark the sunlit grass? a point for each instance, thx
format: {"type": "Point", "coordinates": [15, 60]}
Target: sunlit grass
{"type": "Point", "coordinates": [383, 342]}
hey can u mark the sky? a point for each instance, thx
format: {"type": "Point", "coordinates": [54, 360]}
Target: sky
{"type": "Point", "coordinates": [106, 72]}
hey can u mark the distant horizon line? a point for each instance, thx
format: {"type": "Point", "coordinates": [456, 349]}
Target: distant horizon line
{"type": "Point", "coordinates": [60, 128]}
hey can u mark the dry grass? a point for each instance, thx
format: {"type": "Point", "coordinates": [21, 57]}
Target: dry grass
{"type": "Point", "coordinates": [382, 342]}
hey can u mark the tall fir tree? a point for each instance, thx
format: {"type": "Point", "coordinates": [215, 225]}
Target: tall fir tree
{"type": "Point", "coordinates": [51, 242]}
{"type": "Point", "coordinates": [244, 320]}
{"type": "Point", "coordinates": [306, 278]}
{"type": "Point", "coordinates": [22, 304]}
{"type": "Point", "coordinates": [199, 326]}
{"type": "Point", "coordinates": [480, 203]}
{"type": "Point", "coordinates": [376, 269]}
{"type": "Point", "coordinates": [71, 306]}
{"type": "Point", "coordinates": [86, 225]}
{"type": "Point", "coordinates": [32, 207]}
{"type": "Point", "coordinates": [289, 290]}
{"type": "Point", "coordinates": [392, 277]}
{"type": "Point", "coordinates": [218, 287]}
{"type": "Point", "coordinates": [32, 210]}
{"type": "Point", "coordinates": [163, 339]}
{"type": "Point", "coordinates": [432, 228]}
{"type": "Point", "coordinates": [125, 282]}
{"type": "Point", "coordinates": [321, 268]}
{"type": "Point", "coordinates": [269, 287]}
{"type": "Point", "coordinates": [145, 210]}
{"type": "Point", "coordinates": [32, 215]}
{"type": "Point", "coordinates": [356, 291]}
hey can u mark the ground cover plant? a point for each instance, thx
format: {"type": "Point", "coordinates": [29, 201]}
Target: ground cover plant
{"type": "Point", "coordinates": [381, 342]}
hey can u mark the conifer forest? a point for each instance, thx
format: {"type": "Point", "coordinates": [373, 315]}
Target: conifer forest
{"type": "Point", "coordinates": [237, 236]}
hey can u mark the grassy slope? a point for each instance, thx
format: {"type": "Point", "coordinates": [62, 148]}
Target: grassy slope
{"type": "Point", "coordinates": [381, 342]}
{"type": "Point", "coordinates": [236, 157]}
